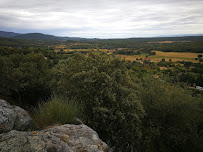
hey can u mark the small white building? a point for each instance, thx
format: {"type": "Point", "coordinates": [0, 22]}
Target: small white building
{"type": "Point", "coordinates": [199, 88]}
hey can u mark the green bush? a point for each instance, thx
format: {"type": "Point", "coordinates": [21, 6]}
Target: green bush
{"type": "Point", "coordinates": [172, 118]}
{"type": "Point", "coordinates": [24, 78]}
{"type": "Point", "coordinates": [106, 92]}
{"type": "Point", "coordinates": [55, 111]}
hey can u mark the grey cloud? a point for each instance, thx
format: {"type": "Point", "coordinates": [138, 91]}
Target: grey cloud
{"type": "Point", "coordinates": [100, 18]}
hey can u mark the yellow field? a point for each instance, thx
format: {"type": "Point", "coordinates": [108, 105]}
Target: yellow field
{"type": "Point", "coordinates": [69, 50]}
{"type": "Point", "coordinates": [177, 54]}
{"type": "Point", "coordinates": [60, 46]}
{"type": "Point", "coordinates": [131, 57]}
{"type": "Point", "coordinates": [105, 50]}
{"type": "Point", "coordinates": [167, 41]}
{"type": "Point", "coordinates": [174, 56]}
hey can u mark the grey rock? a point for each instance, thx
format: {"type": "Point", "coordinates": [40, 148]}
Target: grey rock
{"type": "Point", "coordinates": [13, 118]}
{"type": "Point", "coordinates": [65, 138]}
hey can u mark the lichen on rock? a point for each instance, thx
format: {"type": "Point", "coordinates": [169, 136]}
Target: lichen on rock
{"type": "Point", "coordinates": [65, 138]}
{"type": "Point", "coordinates": [13, 118]}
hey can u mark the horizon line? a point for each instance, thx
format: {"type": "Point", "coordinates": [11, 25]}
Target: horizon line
{"type": "Point", "coordinates": [159, 36]}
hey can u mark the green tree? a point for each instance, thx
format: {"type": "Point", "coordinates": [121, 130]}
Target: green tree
{"type": "Point", "coordinates": [25, 77]}
{"type": "Point", "coordinates": [199, 56]}
{"type": "Point", "coordinates": [163, 60]}
{"type": "Point", "coordinates": [107, 94]}
{"type": "Point", "coordinates": [172, 118]}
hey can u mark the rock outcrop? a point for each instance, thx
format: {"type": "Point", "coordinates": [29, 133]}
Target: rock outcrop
{"type": "Point", "coordinates": [65, 138]}
{"type": "Point", "coordinates": [13, 118]}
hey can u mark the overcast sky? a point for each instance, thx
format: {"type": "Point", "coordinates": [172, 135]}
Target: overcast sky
{"type": "Point", "coordinates": [103, 18]}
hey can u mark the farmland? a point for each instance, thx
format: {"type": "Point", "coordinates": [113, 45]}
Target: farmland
{"type": "Point", "coordinates": [163, 55]}
{"type": "Point", "coordinates": [174, 56]}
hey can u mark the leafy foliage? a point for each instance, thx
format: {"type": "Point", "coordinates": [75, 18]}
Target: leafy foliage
{"type": "Point", "coordinates": [172, 118]}
{"type": "Point", "coordinates": [103, 87]}
{"type": "Point", "coordinates": [127, 52]}
{"type": "Point", "coordinates": [24, 77]}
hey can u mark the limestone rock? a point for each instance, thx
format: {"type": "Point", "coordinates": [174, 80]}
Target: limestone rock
{"type": "Point", "coordinates": [65, 138]}
{"type": "Point", "coordinates": [13, 118]}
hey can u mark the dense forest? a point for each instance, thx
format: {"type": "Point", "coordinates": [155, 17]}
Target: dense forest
{"type": "Point", "coordinates": [176, 44]}
{"type": "Point", "coordinates": [133, 106]}
{"type": "Point", "coordinates": [182, 44]}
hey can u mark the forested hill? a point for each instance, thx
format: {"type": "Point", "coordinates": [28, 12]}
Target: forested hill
{"type": "Point", "coordinates": [166, 44]}
{"type": "Point", "coordinates": [37, 36]}
{"type": "Point", "coordinates": [26, 43]}
{"type": "Point", "coordinates": [8, 34]}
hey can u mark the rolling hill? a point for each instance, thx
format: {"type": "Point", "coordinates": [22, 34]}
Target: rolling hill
{"type": "Point", "coordinates": [8, 34]}
{"type": "Point", "coordinates": [46, 37]}
{"type": "Point", "coordinates": [37, 36]}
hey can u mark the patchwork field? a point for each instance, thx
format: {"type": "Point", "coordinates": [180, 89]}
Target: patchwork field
{"type": "Point", "coordinates": [177, 54]}
{"type": "Point", "coordinates": [174, 56]}
{"type": "Point", "coordinates": [168, 41]}
{"type": "Point", "coordinates": [70, 50]}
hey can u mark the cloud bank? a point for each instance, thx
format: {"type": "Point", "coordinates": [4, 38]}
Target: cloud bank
{"type": "Point", "coordinates": [103, 18]}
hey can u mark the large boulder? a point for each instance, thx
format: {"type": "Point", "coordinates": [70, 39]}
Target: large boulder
{"type": "Point", "coordinates": [13, 118]}
{"type": "Point", "coordinates": [65, 138]}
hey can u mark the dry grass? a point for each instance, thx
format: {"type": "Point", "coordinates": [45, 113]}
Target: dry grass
{"type": "Point", "coordinates": [70, 50]}
{"type": "Point", "coordinates": [157, 59]}
{"type": "Point", "coordinates": [167, 41]}
{"type": "Point", "coordinates": [132, 57]}
{"type": "Point", "coordinates": [175, 56]}
{"type": "Point", "coordinates": [55, 111]}
{"type": "Point", "coordinates": [60, 46]}
{"type": "Point", "coordinates": [127, 57]}
{"type": "Point", "coordinates": [162, 42]}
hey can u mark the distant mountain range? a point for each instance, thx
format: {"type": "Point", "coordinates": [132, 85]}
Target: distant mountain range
{"type": "Point", "coordinates": [40, 36]}
{"type": "Point", "coordinates": [182, 35]}
{"type": "Point", "coordinates": [36, 36]}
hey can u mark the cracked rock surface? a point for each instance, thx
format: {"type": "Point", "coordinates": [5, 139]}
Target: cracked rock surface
{"type": "Point", "coordinates": [13, 118]}
{"type": "Point", "coordinates": [65, 138]}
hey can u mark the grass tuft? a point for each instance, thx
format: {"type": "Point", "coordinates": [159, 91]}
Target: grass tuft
{"type": "Point", "coordinates": [55, 111]}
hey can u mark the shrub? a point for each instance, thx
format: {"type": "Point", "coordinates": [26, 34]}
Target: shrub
{"type": "Point", "coordinates": [25, 78]}
{"type": "Point", "coordinates": [172, 117]}
{"type": "Point", "coordinates": [106, 92]}
{"type": "Point", "coordinates": [55, 111]}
